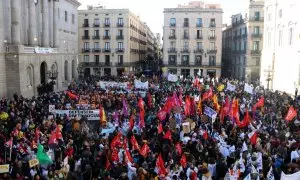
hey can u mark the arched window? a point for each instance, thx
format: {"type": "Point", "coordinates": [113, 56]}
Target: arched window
{"type": "Point", "coordinates": [29, 76]}
{"type": "Point", "coordinates": [66, 71]}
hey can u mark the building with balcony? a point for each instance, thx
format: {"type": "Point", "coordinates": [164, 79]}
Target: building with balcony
{"type": "Point", "coordinates": [119, 43]}
{"type": "Point", "coordinates": [280, 57]}
{"type": "Point", "coordinates": [242, 43]}
{"type": "Point", "coordinates": [39, 43]}
{"type": "Point", "coordinates": [192, 39]}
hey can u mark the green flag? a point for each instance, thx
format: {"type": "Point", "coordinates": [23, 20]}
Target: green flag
{"type": "Point", "coordinates": [42, 156]}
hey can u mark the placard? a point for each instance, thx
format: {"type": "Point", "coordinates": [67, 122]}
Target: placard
{"type": "Point", "coordinates": [92, 115]}
{"type": "Point", "coordinates": [141, 85]}
{"type": "Point", "coordinates": [172, 78]}
{"type": "Point", "coordinates": [248, 88]}
{"type": "Point", "coordinates": [186, 127]}
{"type": "Point", "coordinates": [210, 112]}
{"type": "Point", "coordinates": [4, 168]}
{"type": "Point", "coordinates": [51, 108]}
{"type": "Point", "coordinates": [108, 84]}
{"type": "Point", "coordinates": [230, 87]}
{"type": "Point", "coordinates": [33, 162]}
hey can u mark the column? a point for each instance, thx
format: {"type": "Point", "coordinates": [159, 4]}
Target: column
{"type": "Point", "coordinates": [45, 26]}
{"type": "Point", "coordinates": [15, 21]}
{"type": "Point", "coordinates": [32, 24]}
{"type": "Point", "coordinates": [7, 19]}
{"type": "Point", "coordinates": [51, 22]}
{"type": "Point", "coordinates": [25, 22]}
{"type": "Point", "coordinates": [55, 25]}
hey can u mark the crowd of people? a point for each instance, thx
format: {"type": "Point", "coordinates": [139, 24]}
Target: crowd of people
{"type": "Point", "coordinates": [194, 128]}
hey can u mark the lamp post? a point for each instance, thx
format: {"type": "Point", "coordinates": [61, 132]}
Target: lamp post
{"type": "Point", "coordinates": [52, 74]}
{"type": "Point", "coordinates": [268, 73]}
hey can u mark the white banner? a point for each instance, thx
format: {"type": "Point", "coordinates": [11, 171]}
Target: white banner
{"type": "Point", "coordinates": [4, 168]}
{"type": "Point", "coordinates": [107, 84]}
{"type": "Point", "coordinates": [248, 88]}
{"type": "Point", "coordinates": [230, 87]}
{"type": "Point", "coordinates": [290, 176]}
{"type": "Point", "coordinates": [141, 85]}
{"type": "Point", "coordinates": [42, 50]}
{"type": "Point", "coordinates": [172, 78]}
{"type": "Point", "coordinates": [91, 115]}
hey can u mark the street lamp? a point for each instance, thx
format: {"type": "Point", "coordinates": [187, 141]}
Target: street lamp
{"type": "Point", "coordinates": [268, 73]}
{"type": "Point", "coordinates": [52, 74]}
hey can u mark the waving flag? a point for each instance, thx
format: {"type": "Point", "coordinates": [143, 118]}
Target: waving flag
{"type": "Point", "coordinates": [160, 165]}
{"type": "Point", "coordinates": [128, 156]}
{"type": "Point", "coordinates": [183, 161]}
{"type": "Point", "coordinates": [72, 96]}
{"type": "Point", "coordinates": [178, 148]}
{"type": "Point", "coordinates": [168, 135]}
{"type": "Point", "coordinates": [253, 137]}
{"type": "Point", "coordinates": [292, 113]}
{"type": "Point", "coordinates": [222, 115]}
{"type": "Point", "coordinates": [159, 128]}
{"type": "Point", "coordinates": [115, 156]}
{"type": "Point", "coordinates": [125, 108]}
{"type": "Point", "coordinates": [187, 107]}
{"type": "Point", "coordinates": [205, 135]}
{"type": "Point", "coordinates": [134, 143]}
{"type": "Point", "coordinates": [141, 104]}
{"type": "Point", "coordinates": [259, 103]}
{"type": "Point", "coordinates": [216, 103]}
{"type": "Point", "coordinates": [131, 122]}
{"type": "Point", "coordinates": [116, 141]}
{"type": "Point", "coordinates": [145, 150]}
{"type": "Point", "coordinates": [42, 156]}
{"type": "Point", "coordinates": [142, 118]}
{"type": "Point", "coordinates": [245, 122]}
{"type": "Point", "coordinates": [199, 107]}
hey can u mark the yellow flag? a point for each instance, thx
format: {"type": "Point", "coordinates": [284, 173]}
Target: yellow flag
{"type": "Point", "coordinates": [216, 103]}
{"type": "Point", "coordinates": [103, 115]}
{"type": "Point", "coordinates": [199, 107]}
{"type": "Point", "coordinates": [221, 87]}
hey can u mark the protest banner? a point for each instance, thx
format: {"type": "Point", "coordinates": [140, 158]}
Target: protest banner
{"type": "Point", "coordinates": [4, 168]}
{"type": "Point", "coordinates": [33, 162]}
{"type": "Point", "coordinates": [51, 108]}
{"type": "Point", "coordinates": [91, 115]}
{"type": "Point", "coordinates": [172, 78]}
{"type": "Point", "coordinates": [210, 112]}
{"type": "Point", "coordinates": [230, 87]}
{"type": "Point", "coordinates": [112, 84]}
{"type": "Point", "coordinates": [141, 85]}
{"type": "Point", "coordinates": [248, 88]}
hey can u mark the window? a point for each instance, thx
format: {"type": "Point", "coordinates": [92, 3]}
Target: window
{"type": "Point", "coordinates": [120, 32]}
{"type": "Point", "coordinates": [107, 22]}
{"type": "Point", "coordinates": [240, 45]}
{"type": "Point", "coordinates": [86, 45]}
{"type": "Point", "coordinates": [212, 61]}
{"type": "Point", "coordinates": [256, 45]}
{"type": "Point", "coordinates": [86, 22]}
{"type": "Point", "coordinates": [97, 59]}
{"type": "Point", "coordinates": [280, 13]}
{"type": "Point", "coordinates": [86, 33]}
{"type": "Point", "coordinates": [173, 22]}
{"type": "Point", "coordinates": [107, 59]}
{"type": "Point", "coordinates": [120, 59]}
{"type": "Point", "coordinates": [280, 38]}
{"type": "Point", "coordinates": [199, 33]}
{"type": "Point", "coordinates": [212, 46]}
{"type": "Point", "coordinates": [256, 16]}
{"type": "Point", "coordinates": [212, 33]}
{"type": "Point", "coordinates": [212, 22]}
{"type": "Point", "coordinates": [107, 46]}
{"type": "Point", "coordinates": [186, 22]}
{"type": "Point", "coordinates": [269, 39]}
{"type": "Point", "coordinates": [291, 36]}
{"type": "Point", "coordinates": [245, 45]}
{"type": "Point", "coordinates": [96, 33]}
{"type": "Point", "coordinates": [66, 16]}
{"type": "Point", "coordinates": [172, 59]}
{"type": "Point", "coordinates": [86, 58]}
{"type": "Point", "coordinates": [96, 22]}
{"type": "Point", "coordinates": [120, 21]}
{"type": "Point", "coordinates": [198, 60]}
{"type": "Point", "coordinates": [96, 45]}
{"type": "Point", "coordinates": [106, 32]}
{"type": "Point", "coordinates": [199, 45]}
{"type": "Point", "coordinates": [73, 18]}
{"type": "Point", "coordinates": [172, 33]}
{"type": "Point", "coordinates": [172, 44]}
{"type": "Point", "coordinates": [256, 30]}
{"type": "Point", "coordinates": [199, 22]}
{"type": "Point", "coordinates": [257, 61]}
{"type": "Point", "coordinates": [120, 45]}
{"type": "Point", "coordinates": [186, 45]}
{"type": "Point", "coordinates": [186, 33]}
{"type": "Point", "coordinates": [185, 72]}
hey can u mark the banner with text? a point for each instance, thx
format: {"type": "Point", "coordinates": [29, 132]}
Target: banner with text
{"type": "Point", "coordinates": [210, 112]}
{"type": "Point", "coordinates": [248, 88]}
{"type": "Point", "coordinates": [141, 85]}
{"type": "Point", "coordinates": [91, 115]}
{"type": "Point", "coordinates": [113, 84]}
{"type": "Point", "coordinates": [172, 78]}
{"type": "Point", "coordinates": [230, 87]}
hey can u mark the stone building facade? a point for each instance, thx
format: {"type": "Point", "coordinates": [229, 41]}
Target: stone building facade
{"type": "Point", "coordinates": [192, 39]}
{"type": "Point", "coordinates": [37, 37]}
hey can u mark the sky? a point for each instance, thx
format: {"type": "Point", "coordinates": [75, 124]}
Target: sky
{"type": "Point", "coordinates": [151, 11]}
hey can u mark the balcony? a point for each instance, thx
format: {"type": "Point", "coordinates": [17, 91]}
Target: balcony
{"type": "Point", "coordinates": [199, 37]}
{"type": "Point", "coordinates": [85, 37]}
{"type": "Point", "coordinates": [106, 37]}
{"type": "Point", "coordinates": [212, 37]}
{"type": "Point", "coordinates": [95, 64]}
{"type": "Point", "coordinates": [236, 23]}
{"type": "Point", "coordinates": [185, 63]}
{"type": "Point", "coordinates": [198, 63]}
{"type": "Point", "coordinates": [125, 64]}
{"type": "Point", "coordinates": [196, 51]}
{"type": "Point", "coordinates": [119, 37]}
{"type": "Point", "coordinates": [186, 37]}
{"type": "Point", "coordinates": [212, 24]}
{"type": "Point", "coordinates": [199, 25]}
{"type": "Point", "coordinates": [255, 52]}
{"type": "Point", "coordinates": [96, 37]}
{"type": "Point", "coordinates": [120, 24]}
{"type": "Point", "coordinates": [172, 37]}
{"type": "Point", "coordinates": [96, 50]}
{"type": "Point", "coordinates": [172, 63]}
{"type": "Point", "coordinates": [106, 24]}
{"type": "Point", "coordinates": [185, 50]}
{"type": "Point", "coordinates": [85, 50]}
{"type": "Point", "coordinates": [256, 36]}
{"type": "Point", "coordinates": [119, 50]}
{"type": "Point", "coordinates": [185, 24]}
{"type": "Point", "coordinates": [85, 25]}
{"type": "Point", "coordinates": [172, 50]}
{"type": "Point", "coordinates": [256, 19]}
{"type": "Point", "coordinates": [173, 25]}
{"type": "Point", "coordinates": [96, 25]}
{"type": "Point", "coordinates": [213, 51]}
{"type": "Point", "coordinates": [106, 50]}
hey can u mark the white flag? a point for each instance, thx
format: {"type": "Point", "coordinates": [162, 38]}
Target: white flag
{"type": "Point", "coordinates": [245, 148]}
{"type": "Point", "coordinates": [270, 175]}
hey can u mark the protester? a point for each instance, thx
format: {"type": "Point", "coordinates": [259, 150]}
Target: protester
{"type": "Point", "coordinates": [151, 128]}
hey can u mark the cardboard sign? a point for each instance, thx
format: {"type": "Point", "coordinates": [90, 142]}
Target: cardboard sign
{"type": "Point", "coordinates": [4, 168]}
{"type": "Point", "coordinates": [192, 124]}
{"type": "Point", "coordinates": [33, 162]}
{"type": "Point", "coordinates": [51, 108]}
{"type": "Point", "coordinates": [230, 87]}
{"type": "Point", "coordinates": [210, 112]}
{"type": "Point", "coordinates": [141, 85]}
{"type": "Point", "coordinates": [248, 88]}
{"type": "Point", "coordinates": [172, 78]}
{"type": "Point", "coordinates": [186, 127]}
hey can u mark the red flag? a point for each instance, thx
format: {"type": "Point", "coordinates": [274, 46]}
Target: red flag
{"type": "Point", "coordinates": [116, 141]}
{"type": "Point", "coordinates": [180, 96]}
{"type": "Point", "coordinates": [107, 164]}
{"type": "Point", "coordinates": [292, 113]}
{"type": "Point", "coordinates": [187, 107]}
{"type": "Point", "coordinates": [175, 99]}
{"type": "Point", "coordinates": [168, 135]}
{"type": "Point", "coordinates": [134, 143]}
{"type": "Point", "coordinates": [115, 156]}
{"type": "Point", "coordinates": [159, 128]}
{"type": "Point", "coordinates": [149, 97]}
{"type": "Point", "coordinates": [72, 96]}
{"type": "Point", "coordinates": [58, 133]}
{"type": "Point", "coordinates": [226, 107]}
{"type": "Point", "coordinates": [141, 104]}
{"type": "Point", "coordinates": [162, 114]}
{"type": "Point", "coordinates": [259, 103]}
{"type": "Point", "coordinates": [131, 122]}
{"type": "Point", "coordinates": [178, 148]}
{"type": "Point", "coordinates": [160, 165]}
{"type": "Point", "coordinates": [55, 135]}
{"type": "Point", "coordinates": [183, 161]}
{"type": "Point", "coordinates": [128, 156]}
{"type": "Point", "coordinates": [142, 118]}
{"type": "Point", "coordinates": [9, 143]}
{"type": "Point", "coordinates": [37, 134]}
{"type": "Point", "coordinates": [125, 143]}
{"type": "Point", "coordinates": [245, 122]}
{"type": "Point", "coordinates": [205, 135]}
{"type": "Point", "coordinates": [100, 114]}
{"type": "Point", "coordinates": [235, 110]}
{"type": "Point", "coordinates": [253, 137]}
{"type": "Point", "coordinates": [145, 150]}
{"type": "Point", "coordinates": [168, 105]}
{"type": "Point", "coordinates": [52, 139]}
{"type": "Point", "coordinates": [222, 115]}
{"type": "Point", "coordinates": [207, 95]}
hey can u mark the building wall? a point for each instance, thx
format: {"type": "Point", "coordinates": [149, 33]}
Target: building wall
{"type": "Point", "coordinates": [193, 13]}
{"type": "Point", "coordinates": [3, 88]}
{"type": "Point", "coordinates": [280, 57]}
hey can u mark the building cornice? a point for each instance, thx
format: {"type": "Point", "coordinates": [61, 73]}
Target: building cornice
{"type": "Point", "coordinates": [192, 10]}
{"type": "Point", "coordinates": [74, 2]}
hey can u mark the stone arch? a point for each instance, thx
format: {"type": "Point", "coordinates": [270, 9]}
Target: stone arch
{"type": "Point", "coordinates": [73, 69]}
{"type": "Point", "coordinates": [43, 72]}
{"type": "Point", "coordinates": [30, 75]}
{"type": "Point", "coordinates": [66, 70]}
